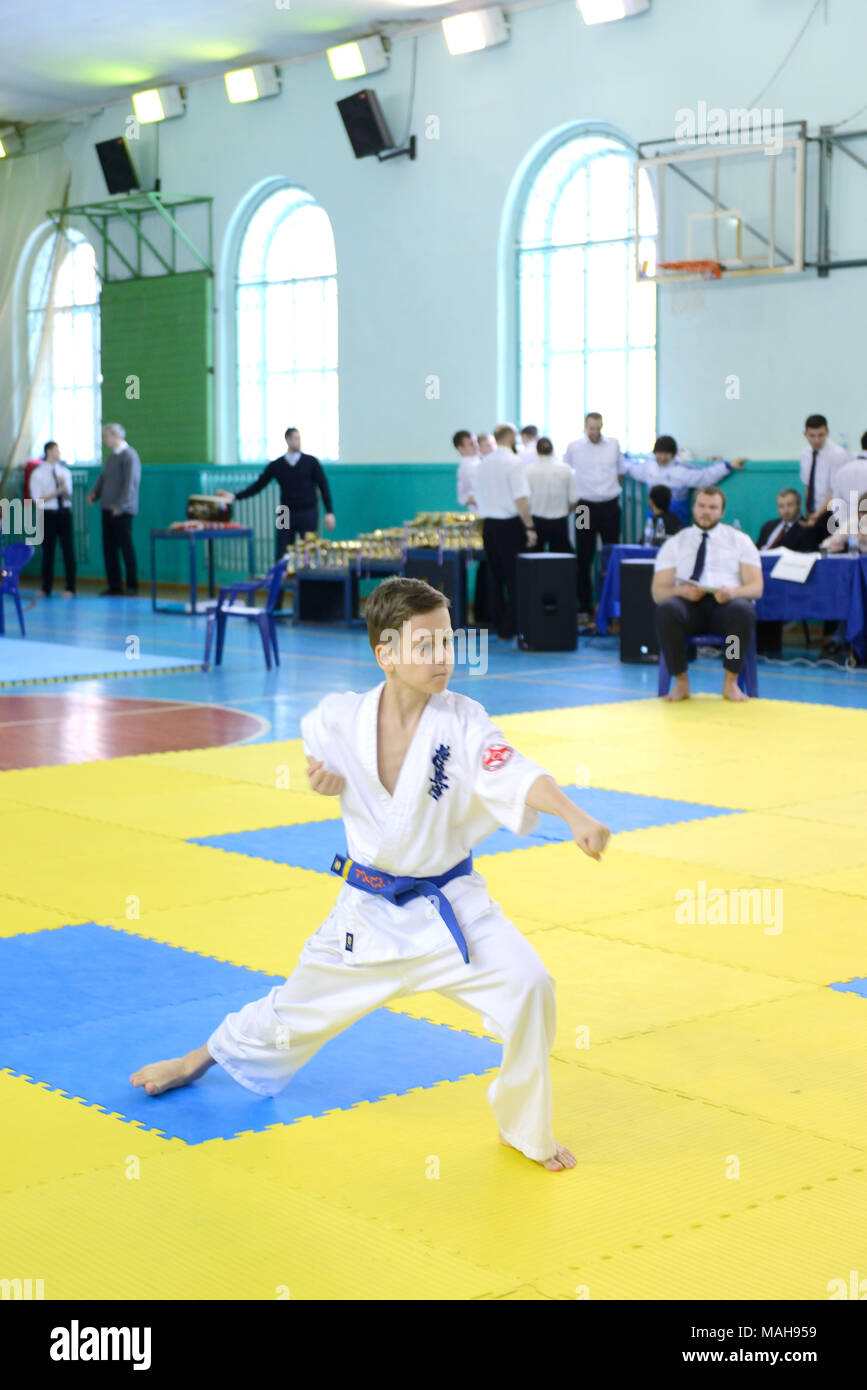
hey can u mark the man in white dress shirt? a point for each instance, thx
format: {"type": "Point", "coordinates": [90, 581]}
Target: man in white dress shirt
{"type": "Point", "coordinates": [529, 441]}
{"type": "Point", "coordinates": [850, 483]}
{"type": "Point", "coordinates": [51, 488]}
{"type": "Point", "coordinates": [502, 501]}
{"type": "Point", "coordinates": [553, 495]}
{"type": "Point", "coordinates": [468, 447]}
{"type": "Point", "coordinates": [598, 465]}
{"type": "Point", "coordinates": [820, 461]}
{"type": "Point", "coordinates": [705, 579]}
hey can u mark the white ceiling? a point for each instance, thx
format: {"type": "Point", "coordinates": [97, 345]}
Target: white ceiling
{"type": "Point", "coordinates": [86, 53]}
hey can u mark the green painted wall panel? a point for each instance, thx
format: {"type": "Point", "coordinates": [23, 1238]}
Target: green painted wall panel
{"type": "Point", "coordinates": [159, 330]}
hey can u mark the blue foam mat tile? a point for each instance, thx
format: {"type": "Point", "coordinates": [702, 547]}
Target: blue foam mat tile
{"type": "Point", "coordinates": [313, 845]}
{"type": "Point", "coordinates": [56, 979]}
{"type": "Point", "coordinates": [856, 986]}
{"type": "Point", "coordinates": [385, 1053]}
{"type": "Point", "coordinates": [30, 660]}
{"type": "Point", "coordinates": [82, 1008]}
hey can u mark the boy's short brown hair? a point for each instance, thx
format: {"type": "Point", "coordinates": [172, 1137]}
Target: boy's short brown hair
{"type": "Point", "coordinates": [395, 601]}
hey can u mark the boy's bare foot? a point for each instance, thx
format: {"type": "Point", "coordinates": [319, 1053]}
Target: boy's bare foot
{"type": "Point", "coordinates": [563, 1158]}
{"type": "Point", "coordinates": [732, 691]}
{"type": "Point", "coordinates": [680, 689]}
{"type": "Point", "coordinates": [157, 1077]}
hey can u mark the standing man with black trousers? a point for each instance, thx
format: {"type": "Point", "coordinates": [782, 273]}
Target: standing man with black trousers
{"type": "Point", "coordinates": [116, 489]}
{"type": "Point", "coordinates": [502, 501]}
{"type": "Point", "coordinates": [51, 487]}
{"type": "Point", "coordinates": [298, 477]}
{"type": "Point", "coordinates": [598, 465]}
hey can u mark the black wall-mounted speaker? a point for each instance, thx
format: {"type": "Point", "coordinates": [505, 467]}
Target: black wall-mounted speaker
{"type": "Point", "coordinates": [365, 124]}
{"type": "Point", "coordinates": [117, 167]}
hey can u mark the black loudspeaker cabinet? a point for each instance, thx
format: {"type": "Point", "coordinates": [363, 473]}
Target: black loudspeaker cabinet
{"type": "Point", "coordinates": [638, 640]}
{"type": "Point", "coordinates": [450, 578]}
{"type": "Point", "coordinates": [547, 603]}
{"type": "Point", "coordinates": [365, 124]}
{"type": "Point", "coordinates": [117, 166]}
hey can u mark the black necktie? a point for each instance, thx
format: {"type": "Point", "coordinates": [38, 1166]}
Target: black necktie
{"type": "Point", "coordinates": [61, 500]}
{"type": "Point", "coordinates": [811, 486]}
{"type": "Point", "coordinates": [699, 559]}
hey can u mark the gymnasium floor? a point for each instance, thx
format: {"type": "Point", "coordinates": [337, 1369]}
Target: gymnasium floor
{"type": "Point", "coordinates": [163, 863]}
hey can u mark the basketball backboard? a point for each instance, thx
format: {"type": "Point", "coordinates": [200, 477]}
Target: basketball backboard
{"type": "Point", "coordinates": [739, 205]}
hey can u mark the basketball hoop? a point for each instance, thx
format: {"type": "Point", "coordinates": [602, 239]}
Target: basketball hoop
{"type": "Point", "coordinates": [708, 270]}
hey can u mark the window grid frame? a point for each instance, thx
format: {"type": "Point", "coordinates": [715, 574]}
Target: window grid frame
{"type": "Point", "coordinates": [524, 364]}
{"type": "Point", "coordinates": [327, 376]}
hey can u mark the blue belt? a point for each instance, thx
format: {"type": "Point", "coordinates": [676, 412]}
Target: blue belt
{"type": "Point", "coordinates": [401, 891]}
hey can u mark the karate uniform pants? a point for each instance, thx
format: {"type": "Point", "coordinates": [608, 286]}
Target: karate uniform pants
{"type": "Point", "coordinates": [268, 1041]}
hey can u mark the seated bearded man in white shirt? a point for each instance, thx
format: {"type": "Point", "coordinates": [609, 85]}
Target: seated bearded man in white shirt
{"type": "Point", "coordinates": [704, 580]}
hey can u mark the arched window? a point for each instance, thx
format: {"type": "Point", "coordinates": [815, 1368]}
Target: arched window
{"type": "Point", "coordinates": [586, 326]}
{"type": "Point", "coordinates": [67, 402]}
{"type": "Point", "coordinates": [287, 328]}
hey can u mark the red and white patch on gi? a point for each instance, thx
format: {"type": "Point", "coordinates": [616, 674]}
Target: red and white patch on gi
{"type": "Point", "coordinates": [495, 756]}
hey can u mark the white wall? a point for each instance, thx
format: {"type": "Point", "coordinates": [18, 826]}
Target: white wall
{"type": "Point", "coordinates": [417, 244]}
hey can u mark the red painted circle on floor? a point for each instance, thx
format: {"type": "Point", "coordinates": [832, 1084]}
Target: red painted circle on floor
{"type": "Point", "coordinates": [43, 730]}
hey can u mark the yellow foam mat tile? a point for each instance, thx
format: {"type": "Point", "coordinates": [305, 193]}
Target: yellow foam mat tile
{"type": "Point", "coordinates": [769, 846]}
{"type": "Point", "coordinates": [191, 1228]}
{"type": "Point", "coordinates": [91, 873]}
{"type": "Point", "coordinates": [803, 1245]}
{"type": "Point", "coordinates": [558, 885]}
{"type": "Point", "coordinates": [429, 1164]}
{"type": "Point", "coordinates": [797, 1061]}
{"type": "Point", "coordinates": [169, 800]}
{"type": "Point", "coordinates": [821, 938]}
{"type": "Point", "coordinates": [834, 810]}
{"type": "Point", "coordinates": [264, 931]}
{"type": "Point", "coordinates": [17, 916]}
{"type": "Point", "coordinates": [663, 750]}
{"type": "Point", "coordinates": [612, 989]}
{"type": "Point", "coordinates": [251, 762]}
{"type": "Point", "coordinates": [47, 1135]}
{"type": "Point", "coordinates": [852, 882]}
{"type": "Point", "coordinates": [688, 721]}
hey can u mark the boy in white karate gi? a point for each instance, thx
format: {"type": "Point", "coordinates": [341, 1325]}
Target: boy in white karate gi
{"type": "Point", "coordinates": [422, 775]}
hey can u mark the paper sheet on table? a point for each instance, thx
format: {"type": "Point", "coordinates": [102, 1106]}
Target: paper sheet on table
{"type": "Point", "coordinates": [795, 566]}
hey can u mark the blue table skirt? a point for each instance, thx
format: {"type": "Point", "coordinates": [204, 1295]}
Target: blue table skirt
{"type": "Point", "coordinates": [609, 599]}
{"type": "Point", "coordinates": [836, 588]}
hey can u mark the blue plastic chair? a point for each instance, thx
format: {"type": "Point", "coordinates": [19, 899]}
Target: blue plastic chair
{"type": "Point", "coordinates": [227, 608]}
{"type": "Point", "coordinates": [12, 561]}
{"type": "Point", "coordinates": [748, 676]}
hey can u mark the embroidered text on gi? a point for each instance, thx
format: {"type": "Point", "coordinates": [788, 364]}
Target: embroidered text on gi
{"type": "Point", "coordinates": [439, 781]}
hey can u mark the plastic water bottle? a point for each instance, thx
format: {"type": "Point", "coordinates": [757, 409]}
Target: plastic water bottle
{"type": "Point", "coordinates": [843, 441]}
{"type": "Point", "coordinates": [660, 531]}
{"type": "Point", "coordinates": [737, 525]}
{"type": "Point", "coordinates": [648, 531]}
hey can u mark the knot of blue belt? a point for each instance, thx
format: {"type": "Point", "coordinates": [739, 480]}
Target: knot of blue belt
{"type": "Point", "coordinates": [402, 891]}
